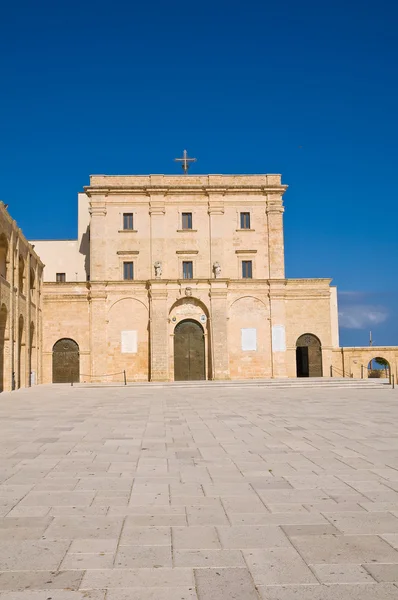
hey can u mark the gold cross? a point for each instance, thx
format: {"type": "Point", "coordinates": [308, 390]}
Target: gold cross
{"type": "Point", "coordinates": [185, 161]}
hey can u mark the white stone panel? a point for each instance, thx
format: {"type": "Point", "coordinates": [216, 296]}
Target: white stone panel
{"type": "Point", "coordinates": [278, 338]}
{"type": "Point", "coordinates": [249, 339]}
{"type": "Point", "coordinates": [129, 342]}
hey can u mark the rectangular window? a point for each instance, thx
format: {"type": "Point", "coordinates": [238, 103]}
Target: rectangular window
{"type": "Point", "coordinates": [187, 269]}
{"type": "Point", "coordinates": [247, 269]}
{"type": "Point", "coordinates": [128, 271]}
{"type": "Point", "coordinates": [187, 220]}
{"type": "Point", "coordinates": [60, 278]}
{"type": "Point", "coordinates": [245, 220]}
{"type": "Point", "coordinates": [128, 221]}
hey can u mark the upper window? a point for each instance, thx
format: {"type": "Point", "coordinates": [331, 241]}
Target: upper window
{"type": "Point", "coordinates": [187, 269]}
{"type": "Point", "coordinates": [128, 271]}
{"type": "Point", "coordinates": [187, 220]}
{"type": "Point", "coordinates": [245, 220]}
{"type": "Point", "coordinates": [128, 221]}
{"type": "Point", "coordinates": [247, 269]}
{"type": "Point", "coordinates": [61, 277]}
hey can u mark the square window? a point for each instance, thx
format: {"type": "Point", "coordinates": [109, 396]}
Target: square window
{"type": "Point", "coordinates": [187, 220]}
{"type": "Point", "coordinates": [245, 220]}
{"type": "Point", "coordinates": [187, 269]}
{"type": "Point", "coordinates": [128, 271]}
{"type": "Point", "coordinates": [128, 221]}
{"type": "Point", "coordinates": [247, 269]}
{"type": "Point", "coordinates": [60, 277]}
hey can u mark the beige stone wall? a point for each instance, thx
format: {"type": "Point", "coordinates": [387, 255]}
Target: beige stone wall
{"type": "Point", "coordinates": [68, 256]}
{"type": "Point", "coordinates": [66, 314]}
{"type": "Point", "coordinates": [21, 274]}
{"type": "Point", "coordinates": [274, 310]}
{"type": "Point", "coordinates": [157, 204]}
{"type": "Point", "coordinates": [354, 361]}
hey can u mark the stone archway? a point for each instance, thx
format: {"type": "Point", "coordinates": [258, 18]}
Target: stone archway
{"type": "Point", "coordinates": [189, 351]}
{"type": "Point", "coordinates": [309, 356]}
{"type": "Point", "coordinates": [21, 355]}
{"type": "Point", "coordinates": [379, 367]}
{"type": "Point", "coordinates": [66, 361]}
{"type": "Point", "coordinates": [3, 327]}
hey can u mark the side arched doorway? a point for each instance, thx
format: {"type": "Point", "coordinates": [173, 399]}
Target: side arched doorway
{"type": "Point", "coordinates": [309, 356]}
{"type": "Point", "coordinates": [66, 361]}
{"type": "Point", "coordinates": [189, 351]}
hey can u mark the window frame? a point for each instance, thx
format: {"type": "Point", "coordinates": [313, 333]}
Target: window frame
{"type": "Point", "coordinates": [188, 215]}
{"type": "Point", "coordinates": [60, 277]}
{"type": "Point", "coordinates": [126, 264]}
{"type": "Point", "coordinates": [245, 220]}
{"type": "Point", "coordinates": [127, 217]}
{"type": "Point", "coordinates": [247, 266]}
{"type": "Point", "coordinates": [190, 269]}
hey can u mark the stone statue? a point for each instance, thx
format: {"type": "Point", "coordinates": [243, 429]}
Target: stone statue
{"type": "Point", "coordinates": [188, 291]}
{"type": "Point", "coordinates": [158, 268]}
{"type": "Point", "coordinates": [217, 270]}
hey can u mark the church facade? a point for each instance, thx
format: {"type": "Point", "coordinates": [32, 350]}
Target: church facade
{"type": "Point", "coordinates": [181, 278]}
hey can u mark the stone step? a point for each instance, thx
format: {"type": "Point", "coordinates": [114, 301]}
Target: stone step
{"type": "Point", "coordinates": [315, 382]}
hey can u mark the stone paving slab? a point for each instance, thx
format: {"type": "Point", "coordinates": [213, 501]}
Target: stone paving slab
{"type": "Point", "coordinates": [199, 493]}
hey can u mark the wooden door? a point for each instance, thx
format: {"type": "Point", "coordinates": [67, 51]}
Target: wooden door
{"type": "Point", "coordinates": [66, 359]}
{"type": "Point", "coordinates": [189, 352]}
{"type": "Point", "coordinates": [302, 361]}
{"type": "Point", "coordinates": [309, 356]}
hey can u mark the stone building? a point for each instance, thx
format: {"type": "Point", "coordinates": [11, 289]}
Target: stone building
{"type": "Point", "coordinates": [21, 273]}
{"type": "Point", "coordinates": [181, 277]}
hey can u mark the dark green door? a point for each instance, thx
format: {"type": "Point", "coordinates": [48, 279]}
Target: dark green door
{"type": "Point", "coordinates": [189, 351]}
{"type": "Point", "coordinates": [66, 359]}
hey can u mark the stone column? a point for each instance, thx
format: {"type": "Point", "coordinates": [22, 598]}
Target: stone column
{"type": "Point", "coordinates": [219, 329]}
{"type": "Point", "coordinates": [158, 331]}
{"type": "Point", "coordinates": [98, 345]}
{"type": "Point", "coordinates": [98, 238]}
{"type": "Point", "coordinates": [276, 250]}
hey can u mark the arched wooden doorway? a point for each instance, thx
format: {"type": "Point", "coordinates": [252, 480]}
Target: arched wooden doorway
{"type": "Point", "coordinates": [189, 351]}
{"type": "Point", "coordinates": [309, 356]}
{"type": "Point", "coordinates": [66, 361]}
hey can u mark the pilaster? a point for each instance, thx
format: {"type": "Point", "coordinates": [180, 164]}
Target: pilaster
{"type": "Point", "coordinates": [158, 321]}
{"type": "Point", "coordinates": [98, 237]}
{"type": "Point", "coordinates": [279, 352]}
{"type": "Point", "coordinates": [98, 315]}
{"type": "Point", "coordinates": [276, 250]}
{"type": "Point", "coordinates": [157, 212]}
{"type": "Point", "coordinates": [219, 329]}
{"type": "Point", "coordinates": [216, 230]}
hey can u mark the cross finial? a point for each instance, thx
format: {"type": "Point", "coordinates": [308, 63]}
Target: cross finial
{"type": "Point", "coordinates": [185, 161]}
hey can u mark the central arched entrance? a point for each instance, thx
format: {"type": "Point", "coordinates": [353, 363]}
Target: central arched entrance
{"type": "Point", "coordinates": [66, 368]}
{"type": "Point", "coordinates": [309, 356]}
{"type": "Point", "coordinates": [189, 351]}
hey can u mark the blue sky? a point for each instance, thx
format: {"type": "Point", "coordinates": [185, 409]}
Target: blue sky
{"type": "Point", "coordinates": [308, 89]}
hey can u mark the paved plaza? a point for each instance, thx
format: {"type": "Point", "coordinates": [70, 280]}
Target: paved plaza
{"type": "Point", "coordinates": [201, 492]}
